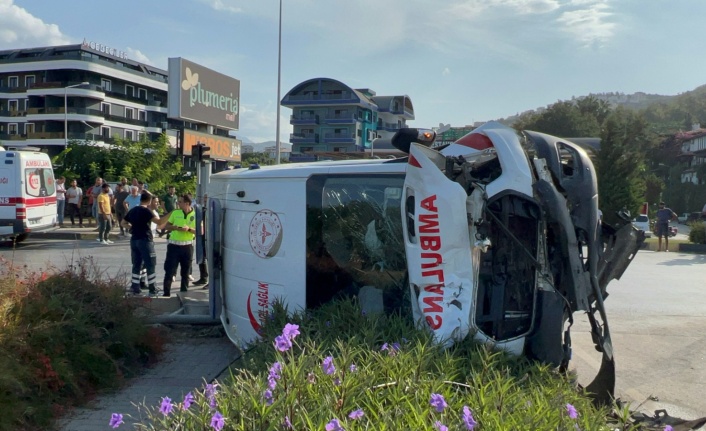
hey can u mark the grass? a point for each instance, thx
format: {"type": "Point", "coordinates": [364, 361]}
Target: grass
{"type": "Point", "coordinates": [653, 242]}
{"type": "Point", "coordinates": [348, 370]}
{"type": "Point", "coordinates": [64, 335]}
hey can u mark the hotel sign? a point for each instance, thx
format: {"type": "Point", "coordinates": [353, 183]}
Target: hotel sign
{"type": "Point", "coordinates": [222, 148]}
{"type": "Point", "coordinates": [199, 94]}
{"type": "Point", "coordinates": [104, 49]}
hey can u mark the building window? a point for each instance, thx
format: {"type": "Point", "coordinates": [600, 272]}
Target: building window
{"type": "Point", "coordinates": [29, 81]}
{"type": "Point", "coordinates": [105, 83]}
{"type": "Point", "coordinates": [142, 115]}
{"type": "Point", "coordinates": [13, 105]}
{"type": "Point", "coordinates": [306, 149]}
{"type": "Point", "coordinates": [13, 81]}
{"type": "Point", "coordinates": [105, 108]}
{"type": "Point", "coordinates": [130, 113]}
{"type": "Point", "coordinates": [29, 128]}
{"type": "Point", "coordinates": [142, 93]}
{"type": "Point", "coordinates": [105, 132]}
{"type": "Point", "coordinates": [130, 90]}
{"type": "Point", "coordinates": [130, 135]}
{"type": "Point", "coordinates": [360, 133]}
{"type": "Point", "coordinates": [339, 149]}
{"type": "Point", "coordinates": [307, 132]}
{"type": "Point", "coordinates": [12, 128]}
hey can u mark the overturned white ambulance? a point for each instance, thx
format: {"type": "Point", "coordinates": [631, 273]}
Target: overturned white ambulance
{"type": "Point", "coordinates": [495, 236]}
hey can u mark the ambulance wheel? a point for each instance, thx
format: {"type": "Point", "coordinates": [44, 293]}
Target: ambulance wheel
{"type": "Point", "coordinates": [21, 237]}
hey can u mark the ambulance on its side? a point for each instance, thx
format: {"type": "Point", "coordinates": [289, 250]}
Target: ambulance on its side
{"type": "Point", "coordinates": [27, 194]}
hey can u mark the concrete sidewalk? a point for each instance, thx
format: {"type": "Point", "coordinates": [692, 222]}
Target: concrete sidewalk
{"type": "Point", "coordinates": [189, 362]}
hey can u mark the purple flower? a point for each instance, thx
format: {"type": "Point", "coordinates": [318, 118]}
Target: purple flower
{"type": "Point", "coordinates": [440, 427]}
{"type": "Point", "coordinates": [290, 331]}
{"type": "Point", "coordinates": [188, 400]}
{"type": "Point", "coordinates": [267, 395]}
{"type": "Point", "coordinates": [353, 368]}
{"type": "Point", "coordinates": [364, 313]}
{"type": "Point", "coordinates": [356, 414]}
{"type": "Point", "coordinates": [116, 419]}
{"type": "Point", "coordinates": [571, 410]}
{"type": "Point", "coordinates": [166, 407]}
{"type": "Point", "coordinates": [334, 425]}
{"type": "Point", "coordinates": [396, 346]}
{"type": "Point", "coordinates": [438, 402]}
{"type": "Point", "coordinates": [274, 375]}
{"type": "Point", "coordinates": [271, 383]}
{"type": "Point", "coordinates": [328, 323]}
{"type": "Point", "coordinates": [283, 343]}
{"type": "Point", "coordinates": [468, 418]}
{"type": "Point", "coordinates": [328, 366]}
{"type": "Point", "coordinates": [668, 428]}
{"type": "Point", "coordinates": [211, 390]}
{"type": "Point", "coordinates": [287, 423]}
{"type": "Point", "coordinates": [218, 421]}
{"type": "Point", "coordinates": [384, 347]}
{"type": "Point", "coordinates": [337, 382]}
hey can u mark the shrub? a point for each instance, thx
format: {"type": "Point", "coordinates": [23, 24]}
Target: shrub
{"type": "Point", "coordinates": [64, 335]}
{"type": "Point", "coordinates": [336, 368]}
{"type": "Point", "coordinates": [697, 234]}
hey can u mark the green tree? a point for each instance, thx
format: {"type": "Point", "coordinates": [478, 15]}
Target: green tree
{"type": "Point", "coordinates": [261, 159]}
{"type": "Point", "coordinates": [148, 161]}
{"type": "Point", "coordinates": [567, 119]}
{"type": "Point", "coordinates": [620, 163]}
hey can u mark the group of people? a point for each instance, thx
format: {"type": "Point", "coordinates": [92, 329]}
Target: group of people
{"type": "Point", "coordinates": [138, 215]}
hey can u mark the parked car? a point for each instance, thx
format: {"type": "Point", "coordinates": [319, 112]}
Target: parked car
{"type": "Point", "coordinates": [642, 222]}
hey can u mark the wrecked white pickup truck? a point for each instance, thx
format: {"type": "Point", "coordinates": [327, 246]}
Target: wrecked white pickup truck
{"type": "Point", "coordinates": [495, 236]}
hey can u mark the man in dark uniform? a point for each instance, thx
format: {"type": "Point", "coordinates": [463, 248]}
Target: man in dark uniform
{"type": "Point", "coordinates": [139, 218]}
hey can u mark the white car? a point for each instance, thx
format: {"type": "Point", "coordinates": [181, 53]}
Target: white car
{"type": "Point", "coordinates": [642, 222]}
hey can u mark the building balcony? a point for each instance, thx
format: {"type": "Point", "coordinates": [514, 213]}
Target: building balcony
{"type": "Point", "coordinates": [388, 127]}
{"type": "Point", "coordinates": [58, 89]}
{"type": "Point", "coordinates": [57, 114]}
{"type": "Point", "coordinates": [312, 138]}
{"type": "Point", "coordinates": [12, 114]}
{"type": "Point", "coordinates": [341, 119]}
{"type": "Point", "coordinates": [12, 137]}
{"type": "Point", "coordinates": [338, 138]}
{"type": "Point", "coordinates": [304, 120]}
{"type": "Point", "coordinates": [305, 99]}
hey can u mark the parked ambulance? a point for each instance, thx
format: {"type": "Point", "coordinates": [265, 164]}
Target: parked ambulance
{"type": "Point", "coordinates": [27, 194]}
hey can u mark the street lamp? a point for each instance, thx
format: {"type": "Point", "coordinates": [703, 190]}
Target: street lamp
{"type": "Point", "coordinates": [279, 81]}
{"type": "Point", "coordinates": [66, 111]}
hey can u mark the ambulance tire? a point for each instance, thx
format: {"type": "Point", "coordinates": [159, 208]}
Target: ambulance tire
{"type": "Point", "coordinates": [21, 237]}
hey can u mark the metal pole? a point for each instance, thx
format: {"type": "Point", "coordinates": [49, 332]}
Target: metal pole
{"type": "Point", "coordinates": [279, 82]}
{"type": "Point", "coordinates": [66, 118]}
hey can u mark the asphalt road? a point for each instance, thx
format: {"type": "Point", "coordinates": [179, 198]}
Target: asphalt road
{"type": "Point", "coordinates": [657, 315]}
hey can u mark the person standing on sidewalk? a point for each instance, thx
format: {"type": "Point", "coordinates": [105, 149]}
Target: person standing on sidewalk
{"type": "Point", "coordinates": [119, 205]}
{"type": "Point", "coordinates": [139, 219]}
{"type": "Point", "coordinates": [203, 266]}
{"type": "Point", "coordinates": [60, 200]}
{"type": "Point", "coordinates": [664, 216]}
{"type": "Point", "coordinates": [94, 192]}
{"type": "Point", "coordinates": [180, 249]}
{"type": "Point", "coordinates": [168, 204]}
{"type": "Point", "coordinates": [74, 195]}
{"type": "Point", "coordinates": [105, 216]}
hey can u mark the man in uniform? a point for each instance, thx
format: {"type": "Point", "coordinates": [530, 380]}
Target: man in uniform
{"type": "Point", "coordinates": [180, 249]}
{"type": "Point", "coordinates": [140, 219]}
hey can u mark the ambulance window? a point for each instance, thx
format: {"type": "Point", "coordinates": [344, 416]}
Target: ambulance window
{"type": "Point", "coordinates": [354, 240]}
{"type": "Point", "coordinates": [39, 182]}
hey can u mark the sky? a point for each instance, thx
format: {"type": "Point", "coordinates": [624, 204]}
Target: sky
{"type": "Point", "coordinates": [459, 61]}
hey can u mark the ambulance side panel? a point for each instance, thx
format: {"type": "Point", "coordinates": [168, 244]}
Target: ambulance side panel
{"type": "Point", "coordinates": [263, 243]}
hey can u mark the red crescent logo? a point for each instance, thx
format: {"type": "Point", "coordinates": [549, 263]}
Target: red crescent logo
{"type": "Point", "coordinates": [253, 321]}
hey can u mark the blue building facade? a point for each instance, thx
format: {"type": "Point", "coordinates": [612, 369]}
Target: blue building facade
{"type": "Point", "coordinates": [329, 117]}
